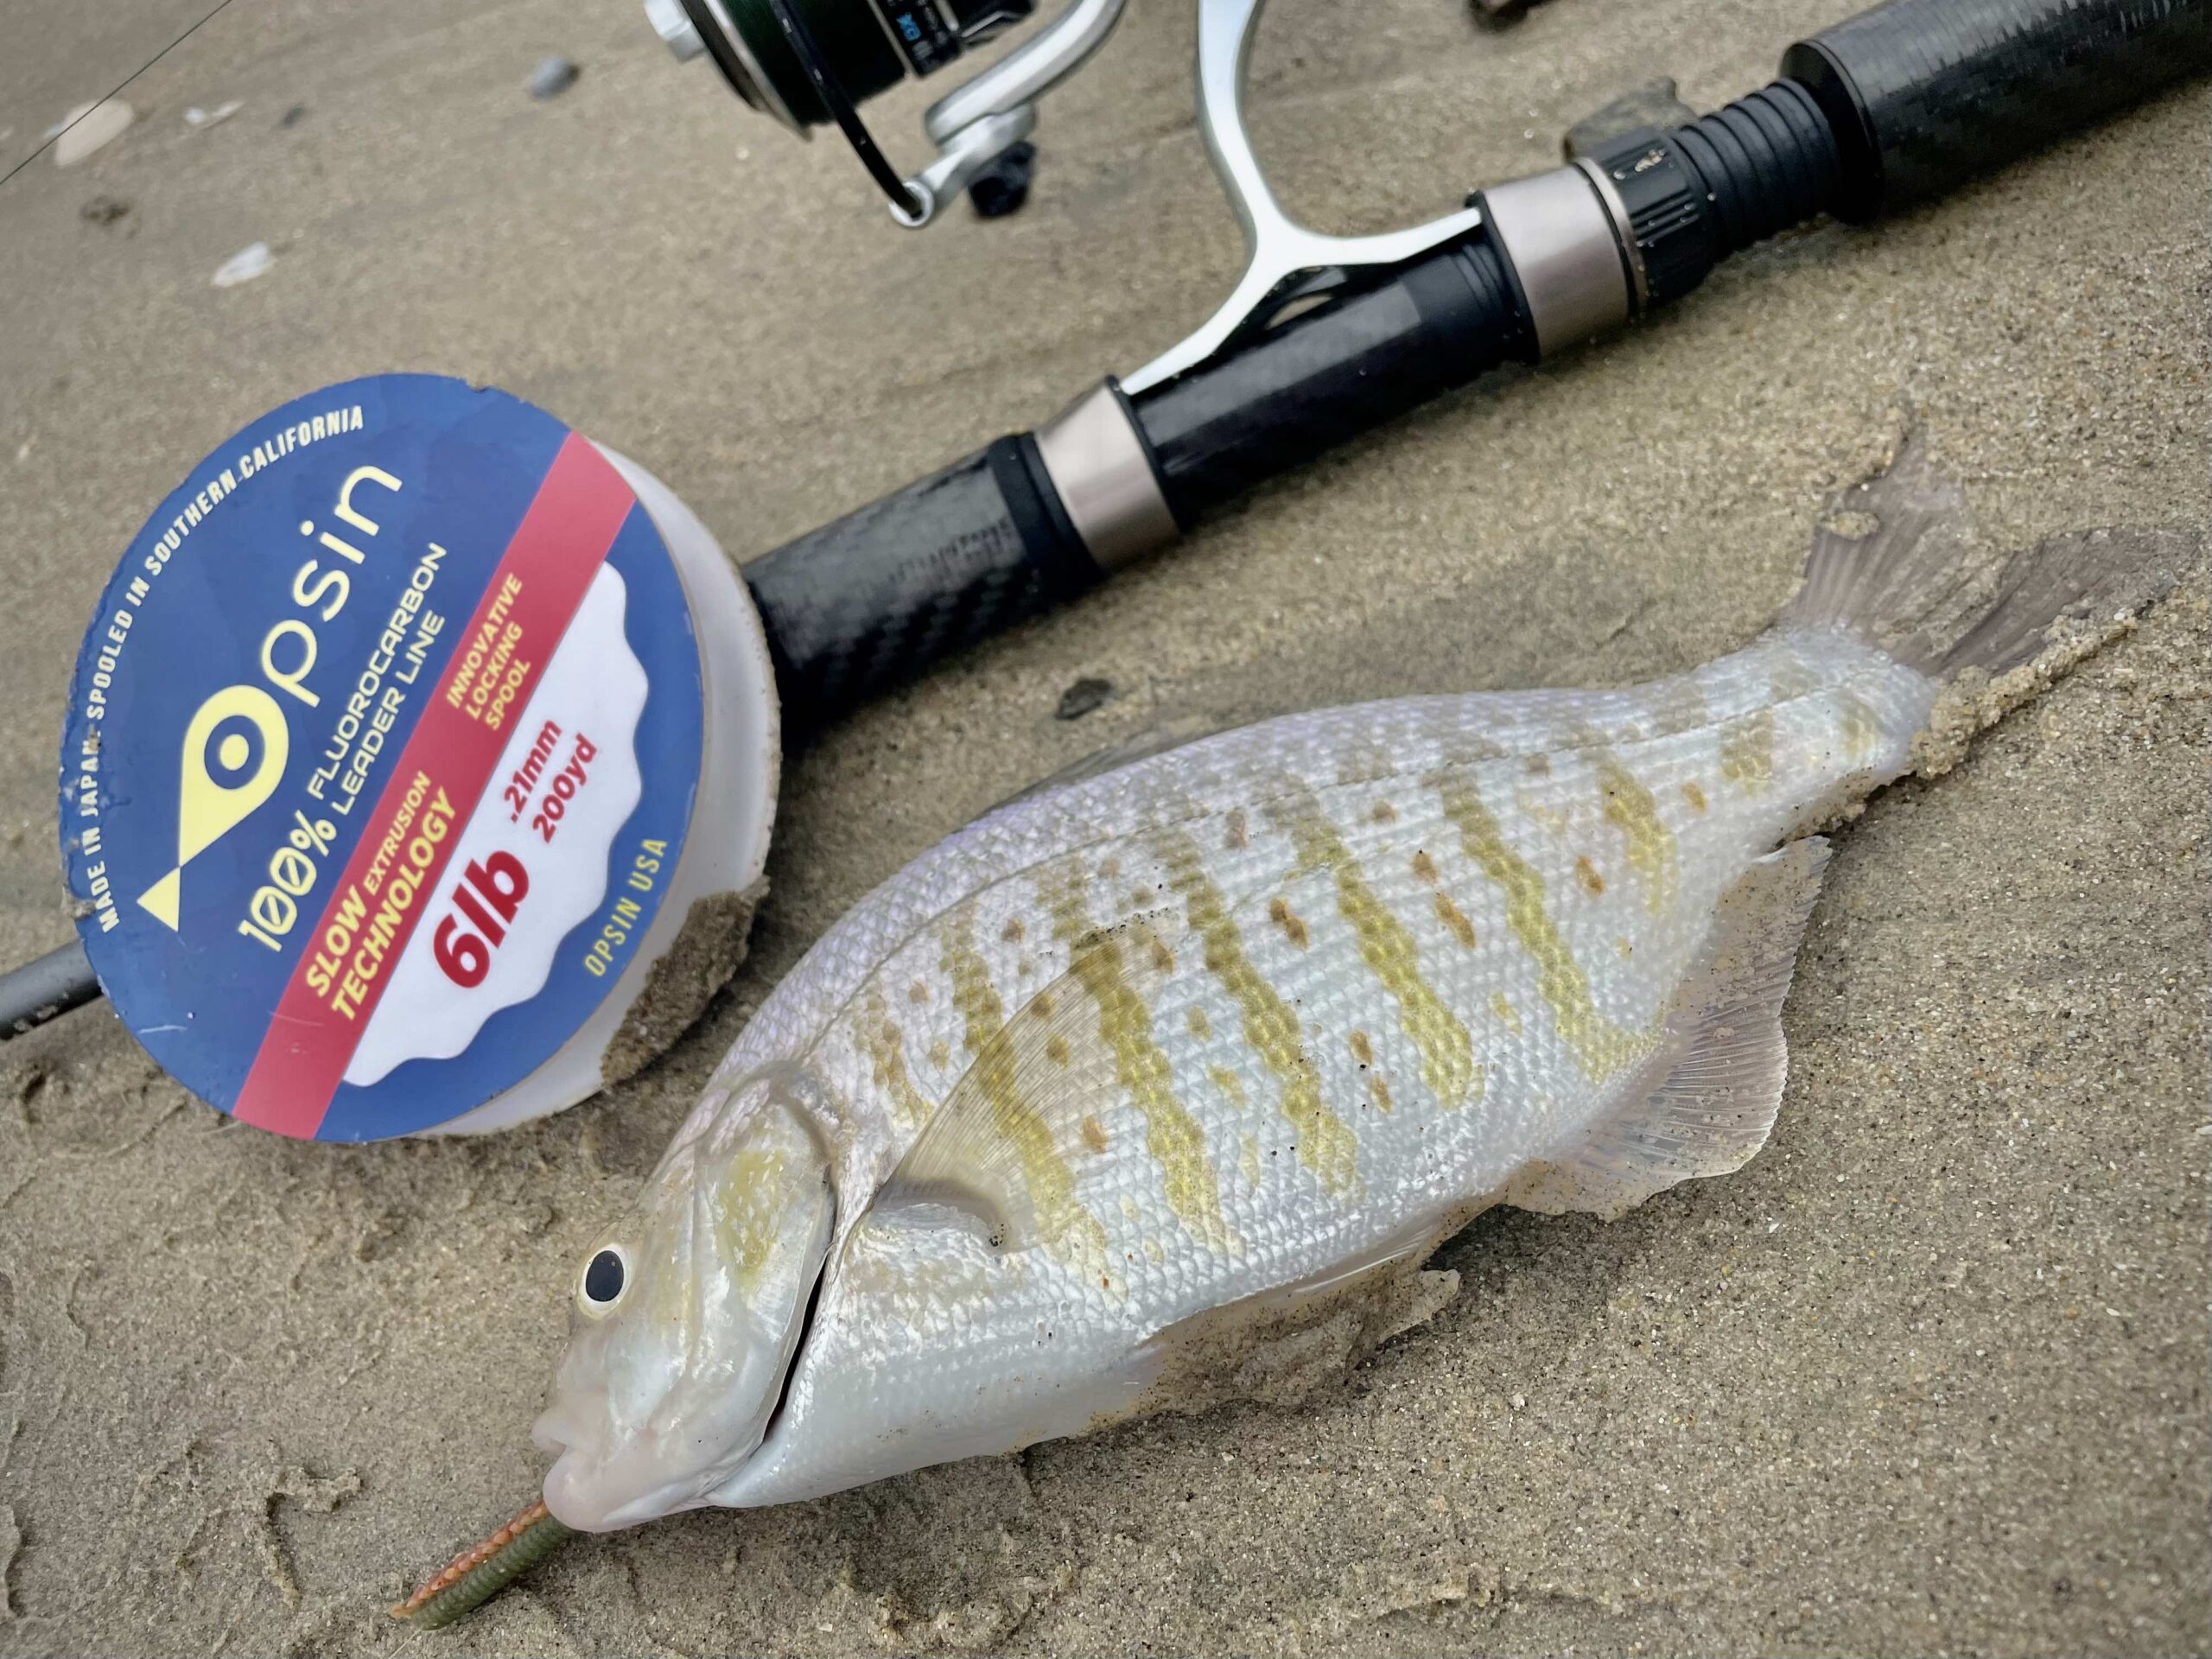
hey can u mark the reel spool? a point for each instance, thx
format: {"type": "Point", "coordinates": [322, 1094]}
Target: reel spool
{"type": "Point", "coordinates": [809, 63]}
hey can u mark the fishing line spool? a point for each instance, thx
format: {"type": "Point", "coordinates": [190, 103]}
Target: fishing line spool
{"type": "Point", "coordinates": [419, 766]}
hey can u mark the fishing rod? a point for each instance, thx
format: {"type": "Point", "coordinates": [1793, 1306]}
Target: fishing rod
{"type": "Point", "coordinates": [1323, 337]}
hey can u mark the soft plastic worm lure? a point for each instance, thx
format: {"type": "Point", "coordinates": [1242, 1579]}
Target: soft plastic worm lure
{"type": "Point", "coordinates": [480, 1571]}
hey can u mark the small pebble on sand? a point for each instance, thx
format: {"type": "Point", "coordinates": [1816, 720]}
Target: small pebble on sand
{"type": "Point", "coordinates": [1085, 694]}
{"type": "Point", "coordinates": [245, 265]}
{"type": "Point", "coordinates": [553, 77]}
{"type": "Point", "coordinates": [89, 128]}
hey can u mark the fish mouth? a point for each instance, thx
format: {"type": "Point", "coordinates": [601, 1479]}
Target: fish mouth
{"type": "Point", "coordinates": [594, 1486]}
{"type": "Point", "coordinates": [655, 1411]}
{"type": "Point", "coordinates": [600, 1483]}
{"type": "Point", "coordinates": [583, 1492]}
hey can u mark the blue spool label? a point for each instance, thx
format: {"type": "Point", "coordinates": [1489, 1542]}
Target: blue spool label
{"type": "Point", "coordinates": [381, 753]}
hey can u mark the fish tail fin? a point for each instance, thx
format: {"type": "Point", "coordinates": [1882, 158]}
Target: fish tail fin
{"type": "Point", "coordinates": [1993, 633]}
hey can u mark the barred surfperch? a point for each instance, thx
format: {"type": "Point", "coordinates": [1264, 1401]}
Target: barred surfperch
{"type": "Point", "coordinates": [1113, 1101]}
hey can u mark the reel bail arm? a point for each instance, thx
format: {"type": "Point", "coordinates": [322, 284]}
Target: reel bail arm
{"type": "Point", "coordinates": [1285, 264]}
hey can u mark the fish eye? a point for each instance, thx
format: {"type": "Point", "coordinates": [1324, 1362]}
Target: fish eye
{"type": "Point", "coordinates": [604, 1276]}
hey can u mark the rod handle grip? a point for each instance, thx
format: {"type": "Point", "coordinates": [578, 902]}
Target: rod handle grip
{"type": "Point", "coordinates": [871, 601]}
{"type": "Point", "coordinates": [1926, 94]}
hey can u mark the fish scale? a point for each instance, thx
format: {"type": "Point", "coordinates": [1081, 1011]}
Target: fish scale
{"type": "Point", "coordinates": [1155, 1083]}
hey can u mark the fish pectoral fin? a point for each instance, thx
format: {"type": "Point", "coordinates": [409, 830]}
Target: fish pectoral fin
{"type": "Point", "coordinates": [963, 1169]}
{"type": "Point", "coordinates": [1713, 1107]}
{"type": "Point", "coordinates": [1011, 1147]}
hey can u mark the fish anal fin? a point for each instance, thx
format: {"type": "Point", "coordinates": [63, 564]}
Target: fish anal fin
{"type": "Point", "coordinates": [1714, 1106]}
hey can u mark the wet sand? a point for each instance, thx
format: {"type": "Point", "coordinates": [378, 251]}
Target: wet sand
{"type": "Point", "coordinates": [1929, 1377]}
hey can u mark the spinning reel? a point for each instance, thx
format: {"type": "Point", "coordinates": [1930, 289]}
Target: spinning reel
{"type": "Point", "coordinates": [808, 62]}
{"type": "Point", "coordinates": [812, 62]}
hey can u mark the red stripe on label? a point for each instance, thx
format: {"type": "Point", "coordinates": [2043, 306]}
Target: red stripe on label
{"type": "Point", "coordinates": [540, 580]}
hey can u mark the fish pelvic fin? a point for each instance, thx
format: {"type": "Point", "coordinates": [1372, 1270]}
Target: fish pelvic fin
{"type": "Point", "coordinates": [1992, 632]}
{"type": "Point", "coordinates": [1720, 1076]}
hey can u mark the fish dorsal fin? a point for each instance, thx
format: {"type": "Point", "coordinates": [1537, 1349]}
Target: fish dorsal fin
{"type": "Point", "coordinates": [1020, 1141]}
{"type": "Point", "coordinates": [1713, 1107]}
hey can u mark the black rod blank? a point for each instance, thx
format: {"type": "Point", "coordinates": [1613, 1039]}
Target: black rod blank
{"type": "Point", "coordinates": [38, 991]}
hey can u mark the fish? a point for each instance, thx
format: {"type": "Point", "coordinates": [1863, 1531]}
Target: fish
{"type": "Point", "coordinates": [1161, 1079]}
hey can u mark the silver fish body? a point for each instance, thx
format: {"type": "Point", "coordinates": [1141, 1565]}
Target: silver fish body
{"type": "Point", "coordinates": [1263, 1012]}
{"type": "Point", "coordinates": [1126, 1094]}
